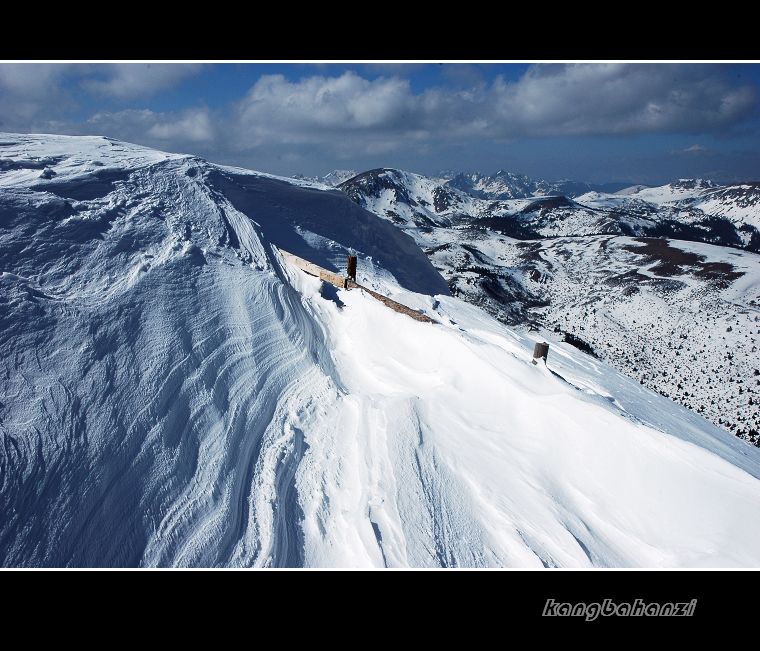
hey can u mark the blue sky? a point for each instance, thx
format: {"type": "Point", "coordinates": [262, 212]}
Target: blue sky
{"type": "Point", "coordinates": [601, 122]}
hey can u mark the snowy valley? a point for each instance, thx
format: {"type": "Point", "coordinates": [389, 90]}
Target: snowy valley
{"type": "Point", "coordinates": [173, 393]}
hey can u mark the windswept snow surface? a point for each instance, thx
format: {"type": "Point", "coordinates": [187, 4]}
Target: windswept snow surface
{"type": "Point", "coordinates": [172, 393]}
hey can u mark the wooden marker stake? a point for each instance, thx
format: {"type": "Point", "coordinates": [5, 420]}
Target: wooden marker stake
{"type": "Point", "coordinates": [540, 351]}
{"type": "Point", "coordinates": [351, 267]}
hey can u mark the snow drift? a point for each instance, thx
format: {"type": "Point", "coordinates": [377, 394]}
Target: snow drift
{"type": "Point", "coordinates": [172, 393]}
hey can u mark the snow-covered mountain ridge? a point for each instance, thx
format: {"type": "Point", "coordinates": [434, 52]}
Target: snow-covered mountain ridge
{"type": "Point", "coordinates": [520, 207]}
{"type": "Point", "coordinates": [173, 393]}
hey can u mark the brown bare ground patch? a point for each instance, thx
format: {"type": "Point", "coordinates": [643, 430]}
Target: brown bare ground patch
{"type": "Point", "coordinates": [672, 261]}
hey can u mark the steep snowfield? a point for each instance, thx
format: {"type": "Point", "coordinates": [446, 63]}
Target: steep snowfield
{"type": "Point", "coordinates": [461, 452]}
{"type": "Point", "coordinates": [172, 393]}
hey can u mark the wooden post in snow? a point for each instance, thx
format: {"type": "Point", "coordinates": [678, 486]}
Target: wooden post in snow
{"type": "Point", "coordinates": [540, 351]}
{"type": "Point", "coordinates": [351, 267]}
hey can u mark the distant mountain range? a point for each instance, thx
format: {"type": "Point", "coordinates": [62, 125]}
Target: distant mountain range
{"type": "Point", "coordinates": [508, 185]}
{"type": "Point", "coordinates": [501, 185]}
{"type": "Point", "coordinates": [523, 208]}
{"type": "Point", "coordinates": [336, 177]}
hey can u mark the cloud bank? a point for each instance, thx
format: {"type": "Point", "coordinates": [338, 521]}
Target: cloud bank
{"type": "Point", "coordinates": [550, 100]}
{"type": "Point", "coordinates": [356, 117]}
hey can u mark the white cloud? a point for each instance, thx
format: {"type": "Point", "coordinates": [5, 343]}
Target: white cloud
{"type": "Point", "coordinates": [189, 127]}
{"type": "Point", "coordinates": [129, 121]}
{"type": "Point", "coordinates": [30, 90]}
{"type": "Point", "coordinates": [35, 94]}
{"type": "Point", "coordinates": [31, 79]}
{"type": "Point", "coordinates": [582, 99]}
{"type": "Point", "coordinates": [130, 80]}
{"type": "Point", "coordinates": [318, 106]}
{"type": "Point", "coordinates": [549, 100]}
{"type": "Point", "coordinates": [384, 120]}
{"type": "Point", "coordinates": [194, 125]}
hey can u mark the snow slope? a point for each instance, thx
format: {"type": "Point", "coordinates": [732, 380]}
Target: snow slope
{"type": "Point", "coordinates": [461, 452]}
{"type": "Point", "coordinates": [172, 393]}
